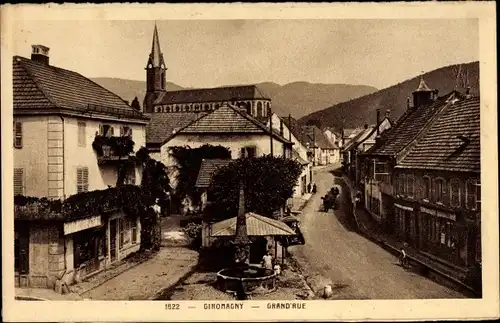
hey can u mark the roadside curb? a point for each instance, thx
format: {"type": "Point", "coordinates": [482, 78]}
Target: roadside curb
{"type": "Point", "coordinates": [115, 275]}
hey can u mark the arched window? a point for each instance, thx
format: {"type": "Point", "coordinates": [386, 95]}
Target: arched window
{"type": "Point", "coordinates": [217, 105]}
{"type": "Point", "coordinates": [259, 109]}
{"type": "Point", "coordinates": [177, 109]}
{"type": "Point", "coordinates": [207, 107]}
{"type": "Point", "coordinates": [454, 192]}
{"type": "Point", "coordinates": [427, 188]}
{"type": "Point", "coordinates": [249, 107]}
{"type": "Point", "coordinates": [196, 108]}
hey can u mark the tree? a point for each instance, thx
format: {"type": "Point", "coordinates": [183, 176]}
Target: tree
{"type": "Point", "coordinates": [268, 181]}
{"type": "Point", "coordinates": [135, 104]}
{"type": "Point", "coordinates": [314, 122]}
{"type": "Point", "coordinates": [156, 185]}
{"type": "Point", "coordinates": [189, 162]}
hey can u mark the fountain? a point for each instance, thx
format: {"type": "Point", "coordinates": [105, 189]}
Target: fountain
{"type": "Point", "coordinates": [243, 278]}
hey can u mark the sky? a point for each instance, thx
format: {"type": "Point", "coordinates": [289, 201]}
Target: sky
{"type": "Point", "coordinates": [208, 53]}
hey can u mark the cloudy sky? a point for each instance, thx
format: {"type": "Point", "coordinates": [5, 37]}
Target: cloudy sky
{"type": "Point", "coordinates": [207, 53]}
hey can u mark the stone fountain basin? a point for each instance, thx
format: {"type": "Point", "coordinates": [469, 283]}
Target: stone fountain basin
{"type": "Point", "coordinates": [256, 280]}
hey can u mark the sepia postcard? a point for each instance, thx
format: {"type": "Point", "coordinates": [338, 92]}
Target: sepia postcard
{"type": "Point", "coordinates": [249, 162]}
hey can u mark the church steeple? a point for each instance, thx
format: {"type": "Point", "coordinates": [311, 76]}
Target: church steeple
{"type": "Point", "coordinates": [155, 73]}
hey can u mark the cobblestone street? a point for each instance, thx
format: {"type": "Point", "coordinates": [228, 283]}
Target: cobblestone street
{"type": "Point", "coordinates": [356, 267]}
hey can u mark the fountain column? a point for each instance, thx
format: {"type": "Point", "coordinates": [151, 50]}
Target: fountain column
{"type": "Point", "coordinates": [241, 241]}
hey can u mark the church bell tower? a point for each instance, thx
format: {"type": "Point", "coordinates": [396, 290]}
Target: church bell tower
{"type": "Point", "coordinates": [155, 74]}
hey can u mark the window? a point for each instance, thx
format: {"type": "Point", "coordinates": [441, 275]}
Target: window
{"type": "Point", "coordinates": [248, 152]}
{"type": "Point", "coordinates": [439, 190]}
{"type": "Point", "coordinates": [259, 110]}
{"type": "Point", "coordinates": [18, 134]}
{"type": "Point", "coordinates": [455, 192]}
{"type": "Point", "coordinates": [125, 131]}
{"type": "Point", "coordinates": [82, 179]}
{"type": "Point", "coordinates": [427, 188]}
{"type": "Point", "coordinates": [124, 231]}
{"type": "Point", "coordinates": [381, 171]}
{"type": "Point", "coordinates": [196, 108]}
{"type": "Point", "coordinates": [207, 107]}
{"type": "Point", "coordinates": [18, 181]}
{"type": "Point", "coordinates": [82, 127]}
{"type": "Point", "coordinates": [106, 130]}
{"type": "Point", "coordinates": [133, 224]}
{"type": "Point", "coordinates": [410, 185]}
{"type": "Point", "coordinates": [401, 183]}
{"type": "Point", "coordinates": [473, 194]}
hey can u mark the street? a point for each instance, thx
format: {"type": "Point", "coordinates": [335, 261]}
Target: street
{"type": "Point", "coordinates": [356, 267]}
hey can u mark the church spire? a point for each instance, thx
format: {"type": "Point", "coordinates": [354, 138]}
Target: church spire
{"type": "Point", "coordinates": [156, 56]}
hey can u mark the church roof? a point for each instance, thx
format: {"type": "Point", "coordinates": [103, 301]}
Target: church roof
{"type": "Point", "coordinates": [39, 86]}
{"type": "Point", "coordinates": [219, 94]}
{"type": "Point", "coordinates": [156, 56]}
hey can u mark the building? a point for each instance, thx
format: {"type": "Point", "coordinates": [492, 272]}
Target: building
{"type": "Point", "coordinates": [158, 100]}
{"type": "Point", "coordinates": [322, 151]}
{"type": "Point", "coordinates": [228, 126]}
{"type": "Point", "coordinates": [359, 144]}
{"type": "Point", "coordinates": [379, 161]}
{"type": "Point", "coordinates": [299, 151]}
{"type": "Point", "coordinates": [437, 196]}
{"type": "Point", "coordinates": [70, 137]}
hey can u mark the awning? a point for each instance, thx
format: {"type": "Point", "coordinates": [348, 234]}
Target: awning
{"type": "Point", "coordinates": [82, 224]}
{"type": "Point", "coordinates": [257, 225]}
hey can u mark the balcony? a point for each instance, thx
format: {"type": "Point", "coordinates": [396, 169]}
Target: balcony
{"type": "Point", "coordinates": [111, 149]}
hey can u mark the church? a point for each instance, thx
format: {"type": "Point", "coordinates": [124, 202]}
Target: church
{"type": "Point", "coordinates": [158, 100]}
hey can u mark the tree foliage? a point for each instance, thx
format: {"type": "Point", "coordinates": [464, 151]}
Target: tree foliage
{"type": "Point", "coordinates": [189, 162]}
{"type": "Point", "coordinates": [269, 182]}
{"type": "Point", "coordinates": [135, 104]}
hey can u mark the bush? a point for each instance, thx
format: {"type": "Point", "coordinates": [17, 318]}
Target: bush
{"type": "Point", "coordinates": [193, 230]}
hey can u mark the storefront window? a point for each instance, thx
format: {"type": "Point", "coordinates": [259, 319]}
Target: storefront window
{"type": "Point", "coordinates": [124, 231]}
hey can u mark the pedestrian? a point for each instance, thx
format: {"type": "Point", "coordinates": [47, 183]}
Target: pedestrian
{"type": "Point", "coordinates": [314, 188]}
{"type": "Point", "coordinates": [267, 261]}
{"type": "Point", "coordinates": [402, 258]}
{"type": "Point", "coordinates": [309, 188]}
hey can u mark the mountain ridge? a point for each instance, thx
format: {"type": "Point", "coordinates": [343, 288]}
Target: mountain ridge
{"type": "Point", "coordinates": [361, 110]}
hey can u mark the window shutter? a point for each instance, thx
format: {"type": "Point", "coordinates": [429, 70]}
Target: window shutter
{"type": "Point", "coordinates": [111, 131]}
{"type": "Point", "coordinates": [446, 192]}
{"type": "Point", "coordinates": [85, 179]}
{"type": "Point", "coordinates": [18, 181]}
{"type": "Point", "coordinates": [101, 130]}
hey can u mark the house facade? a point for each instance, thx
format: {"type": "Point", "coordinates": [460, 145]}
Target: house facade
{"type": "Point", "coordinates": [299, 152]}
{"type": "Point", "coordinates": [65, 129]}
{"type": "Point", "coordinates": [437, 200]}
{"type": "Point", "coordinates": [228, 126]}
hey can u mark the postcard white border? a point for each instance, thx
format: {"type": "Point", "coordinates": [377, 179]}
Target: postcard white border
{"type": "Point", "coordinates": [487, 307]}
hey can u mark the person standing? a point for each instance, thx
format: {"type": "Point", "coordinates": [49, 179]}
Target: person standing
{"type": "Point", "coordinates": [267, 261]}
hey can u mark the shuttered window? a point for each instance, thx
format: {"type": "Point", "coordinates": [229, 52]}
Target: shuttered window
{"type": "Point", "coordinates": [18, 181]}
{"type": "Point", "coordinates": [18, 134]}
{"type": "Point", "coordinates": [82, 140]}
{"type": "Point", "coordinates": [473, 194]}
{"type": "Point", "coordinates": [82, 179]}
{"type": "Point", "coordinates": [410, 185]}
{"type": "Point", "coordinates": [439, 190]}
{"type": "Point", "coordinates": [427, 188]}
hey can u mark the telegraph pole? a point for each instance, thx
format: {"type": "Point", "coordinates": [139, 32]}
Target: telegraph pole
{"type": "Point", "coordinates": [271, 128]}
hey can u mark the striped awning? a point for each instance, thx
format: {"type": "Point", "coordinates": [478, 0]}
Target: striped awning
{"type": "Point", "coordinates": [257, 225]}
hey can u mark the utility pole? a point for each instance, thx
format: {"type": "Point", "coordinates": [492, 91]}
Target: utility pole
{"type": "Point", "coordinates": [271, 128]}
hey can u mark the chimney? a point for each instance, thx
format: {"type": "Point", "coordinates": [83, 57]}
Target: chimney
{"type": "Point", "coordinates": [40, 54]}
{"type": "Point", "coordinates": [366, 126]}
{"type": "Point", "coordinates": [387, 114]}
{"type": "Point", "coordinates": [281, 127]}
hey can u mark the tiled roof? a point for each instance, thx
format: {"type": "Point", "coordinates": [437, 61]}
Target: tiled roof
{"type": "Point", "coordinates": [162, 125]}
{"type": "Point", "coordinates": [40, 86]}
{"type": "Point", "coordinates": [292, 125]}
{"type": "Point", "coordinates": [441, 148]}
{"type": "Point", "coordinates": [242, 92]}
{"type": "Point", "coordinates": [257, 225]}
{"type": "Point", "coordinates": [207, 170]}
{"type": "Point", "coordinates": [227, 119]}
{"type": "Point", "coordinates": [406, 129]}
